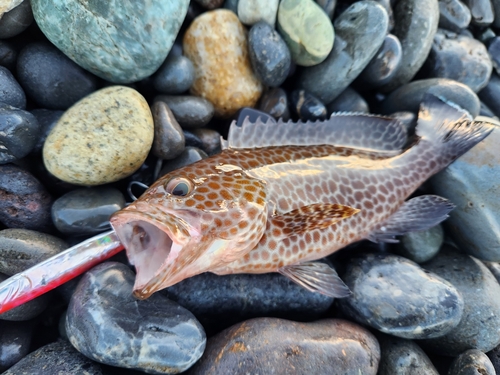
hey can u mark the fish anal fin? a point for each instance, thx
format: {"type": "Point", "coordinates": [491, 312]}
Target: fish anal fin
{"type": "Point", "coordinates": [314, 216]}
{"type": "Point", "coordinates": [317, 277]}
{"type": "Point", "coordinates": [414, 215]}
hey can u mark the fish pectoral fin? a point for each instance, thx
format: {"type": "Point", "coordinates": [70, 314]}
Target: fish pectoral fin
{"type": "Point", "coordinates": [314, 216]}
{"type": "Point", "coordinates": [317, 277]}
{"type": "Point", "coordinates": [415, 215]}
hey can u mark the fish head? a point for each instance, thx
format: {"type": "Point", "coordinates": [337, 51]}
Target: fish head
{"type": "Point", "coordinates": [191, 221]}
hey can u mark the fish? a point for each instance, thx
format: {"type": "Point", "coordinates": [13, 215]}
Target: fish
{"type": "Point", "coordinates": [278, 198]}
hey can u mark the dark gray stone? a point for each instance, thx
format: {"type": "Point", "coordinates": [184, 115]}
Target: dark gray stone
{"type": "Point", "coordinates": [359, 32]}
{"type": "Point", "coordinates": [210, 140]}
{"type": "Point", "coordinates": [496, 9]}
{"type": "Point", "coordinates": [169, 140]}
{"type": "Point", "coordinates": [348, 101]}
{"type": "Point", "coordinates": [24, 201]}
{"type": "Point", "coordinates": [485, 36]}
{"type": "Point", "coordinates": [396, 296]}
{"type": "Point", "coordinates": [210, 4]}
{"type": "Point", "coordinates": [47, 119]}
{"type": "Point", "coordinates": [481, 12]}
{"type": "Point", "coordinates": [56, 358]}
{"type": "Point", "coordinates": [190, 111]}
{"type": "Point", "coordinates": [460, 58]}
{"type": "Point", "coordinates": [409, 96]}
{"type": "Point", "coordinates": [19, 131]}
{"type": "Point", "coordinates": [192, 140]}
{"type": "Point", "coordinates": [27, 310]}
{"type": "Point", "coordinates": [306, 106]}
{"type": "Point", "coordinates": [454, 15]}
{"type": "Point", "coordinates": [472, 362]}
{"type": "Point", "coordinates": [485, 111]}
{"type": "Point", "coordinates": [107, 324]}
{"type": "Point", "coordinates": [417, 22]}
{"type": "Point", "coordinates": [8, 55]}
{"type": "Point", "coordinates": [494, 52]}
{"type": "Point", "coordinates": [282, 347]}
{"type": "Point", "coordinates": [16, 20]}
{"type": "Point", "coordinates": [490, 95]}
{"type": "Point", "coordinates": [269, 54]}
{"type": "Point", "coordinates": [188, 156]}
{"type": "Point", "coordinates": [15, 339]}
{"type": "Point", "coordinates": [50, 78]}
{"type": "Point", "coordinates": [421, 246]}
{"type": "Point", "coordinates": [275, 102]}
{"type": "Point", "coordinates": [478, 328]}
{"type": "Point", "coordinates": [220, 301]}
{"type": "Point", "coordinates": [175, 76]}
{"type": "Point", "coordinates": [328, 6]}
{"type": "Point", "coordinates": [403, 357]}
{"type": "Point", "coordinates": [21, 249]}
{"type": "Point", "coordinates": [86, 211]}
{"type": "Point", "coordinates": [11, 92]}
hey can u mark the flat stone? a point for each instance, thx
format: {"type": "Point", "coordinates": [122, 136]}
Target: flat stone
{"type": "Point", "coordinates": [409, 96]}
{"type": "Point", "coordinates": [275, 102]}
{"type": "Point", "coordinates": [107, 324]}
{"type": "Point", "coordinates": [395, 296]}
{"type": "Point", "coordinates": [24, 201]}
{"type": "Point", "coordinates": [56, 358]}
{"type": "Point", "coordinates": [51, 79]}
{"type": "Point", "coordinates": [479, 327]}
{"type": "Point", "coordinates": [269, 54]}
{"type": "Point", "coordinates": [348, 101]}
{"type": "Point", "coordinates": [175, 76]}
{"type": "Point", "coordinates": [490, 95]}
{"type": "Point", "coordinates": [86, 211]}
{"type": "Point", "coordinates": [306, 106]}
{"type": "Point", "coordinates": [189, 156]}
{"type": "Point", "coordinates": [282, 347]}
{"type": "Point", "coordinates": [472, 362]}
{"type": "Point", "coordinates": [47, 119]}
{"type": "Point", "coordinates": [216, 43]}
{"type": "Point", "coordinates": [11, 92]}
{"type": "Point", "coordinates": [119, 41]}
{"type": "Point", "coordinates": [79, 151]}
{"type": "Point", "coordinates": [16, 20]}
{"type": "Point", "coordinates": [471, 183]}
{"type": "Point", "coordinates": [15, 339]}
{"type": "Point", "coordinates": [359, 32]}
{"type": "Point", "coordinates": [481, 12]}
{"type": "Point", "coordinates": [21, 249]}
{"type": "Point", "coordinates": [252, 11]}
{"type": "Point", "coordinates": [417, 22]}
{"type": "Point", "coordinates": [210, 140]}
{"type": "Point", "coordinates": [19, 131]}
{"type": "Point", "coordinates": [169, 140]}
{"type": "Point", "coordinates": [190, 111]}
{"type": "Point", "coordinates": [421, 246]}
{"type": "Point", "coordinates": [454, 15]}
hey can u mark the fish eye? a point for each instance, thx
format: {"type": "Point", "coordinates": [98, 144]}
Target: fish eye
{"type": "Point", "coordinates": [179, 186]}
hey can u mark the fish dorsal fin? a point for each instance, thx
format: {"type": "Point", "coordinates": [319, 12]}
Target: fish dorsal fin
{"type": "Point", "coordinates": [314, 216]}
{"type": "Point", "coordinates": [347, 129]}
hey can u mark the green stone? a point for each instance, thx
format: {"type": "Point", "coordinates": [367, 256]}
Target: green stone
{"type": "Point", "coordinates": [120, 41]}
{"type": "Point", "coordinates": [307, 31]}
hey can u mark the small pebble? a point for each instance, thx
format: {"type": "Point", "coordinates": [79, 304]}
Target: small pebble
{"type": "Point", "coordinates": [169, 140]}
{"type": "Point", "coordinates": [11, 92]}
{"type": "Point", "coordinates": [472, 362]}
{"type": "Point", "coordinates": [47, 119]}
{"type": "Point", "coordinates": [421, 246]}
{"type": "Point", "coordinates": [494, 52]}
{"type": "Point", "coordinates": [188, 156]}
{"type": "Point", "coordinates": [175, 76]}
{"type": "Point", "coordinates": [306, 106]}
{"type": "Point", "coordinates": [192, 140]}
{"type": "Point", "coordinates": [252, 11]}
{"type": "Point", "coordinates": [490, 95]}
{"type": "Point", "coordinates": [16, 20]}
{"type": "Point", "coordinates": [15, 339]}
{"type": "Point", "coordinates": [486, 111]}
{"type": "Point", "coordinates": [348, 101]}
{"type": "Point", "coordinates": [275, 102]}
{"type": "Point", "coordinates": [190, 111]}
{"type": "Point", "coordinates": [481, 12]}
{"type": "Point", "coordinates": [454, 15]}
{"type": "Point", "coordinates": [210, 140]}
{"type": "Point", "coordinates": [8, 55]}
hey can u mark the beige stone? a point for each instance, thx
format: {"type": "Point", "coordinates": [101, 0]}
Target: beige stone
{"type": "Point", "coordinates": [216, 43]}
{"type": "Point", "coordinates": [103, 138]}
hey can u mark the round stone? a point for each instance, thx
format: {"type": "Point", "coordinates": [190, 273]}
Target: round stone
{"type": "Point", "coordinates": [190, 111]}
{"type": "Point", "coordinates": [348, 101]}
{"type": "Point", "coordinates": [421, 246]}
{"type": "Point", "coordinates": [175, 76]}
{"type": "Point", "coordinates": [120, 41]}
{"type": "Point", "coordinates": [275, 102]}
{"type": "Point", "coordinates": [187, 157]}
{"type": "Point", "coordinates": [472, 362]}
{"type": "Point", "coordinates": [454, 15]}
{"type": "Point", "coordinates": [107, 324]}
{"type": "Point", "coordinates": [16, 20]}
{"type": "Point", "coordinates": [395, 296]}
{"type": "Point", "coordinates": [169, 140]}
{"type": "Point", "coordinates": [216, 44]}
{"type": "Point", "coordinates": [11, 92]}
{"type": "Point", "coordinates": [102, 138]}
{"type": "Point", "coordinates": [307, 31]}
{"type": "Point", "coordinates": [306, 106]}
{"type": "Point", "coordinates": [252, 11]}
{"type": "Point", "coordinates": [269, 54]}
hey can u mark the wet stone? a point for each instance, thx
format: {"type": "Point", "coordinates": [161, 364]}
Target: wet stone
{"type": "Point", "coordinates": [188, 156]}
{"type": "Point", "coordinates": [282, 347]}
{"type": "Point", "coordinates": [24, 201]}
{"type": "Point", "coordinates": [190, 111]}
{"type": "Point", "coordinates": [359, 32]}
{"type": "Point", "coordinates": [8, 55]}
{"type": "Point", "coordinates": [398, 356]}
{"type": "Point", "coordinates": [21, 249]}
{"type": "Point", "coordinates": [275, 102]}
{"type": "Point", "coordinates": [50, 78]}
{"type": "Point", "coordinates": [460, 58]}
{"type": "Point", "coordinates": [47, 119]}
{"type": "Point", "coordinates": [56, 358]}
{"type": "Point", "coordinates": [384, 64]}
{"type": "Point", "coordinates": [481, 12]}
{"type": "Point", "coordinates": [454, 15]}
{"type": "Point", "coordinates": [19, 131]}
{"type": "Point", "coordinates": [11, 92]}
{"type": "Point", "coordinates": [306, 106]}
{"type": "Point", "coordinates": [472, 362]}
{"type": "Point", "coordinates": [175, 76]}
{"type": "Point", "coordinates": [252, 11]}
{"type": "Point", "coordinates": [192, 140]}
{"type": "Point", "coordinates": [86, 211]}
{"type": "Point", "coordinates": [16, 20]}
{"type": "Point", "coordinates": [15, 339]}
{"type": "Point", "coordinates": [269, 54]}
{"type": "Point", "coordinates": [220, 301]}
{"type": "Point", "coordinates": [490, 95]}
{"type": "Point", "coordinates": [421, 246]}
{"type": "Point", "coordinates": [107, 324]}
{"type": "Point", "coordinates": [169, 140]}
{"type": "Point", "coordinates": [480, 322]}
{"type": "Point", "coordinates": [395, 295]}
{"type": "Point", "coordinates": [348, 101]}
{"type": "Point", "coordinates": [210, 140]}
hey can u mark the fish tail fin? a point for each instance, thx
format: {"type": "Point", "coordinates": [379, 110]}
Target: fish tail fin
{"type": "Point", "coordinates": [449, 129]}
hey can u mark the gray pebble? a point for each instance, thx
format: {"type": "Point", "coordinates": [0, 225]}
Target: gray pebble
{"type": "Point", "coordinates": [47, 119]}
{"type": "Point", "coordinates": [486, 35]}
{"type": "Point", "coordinates": [11, 92]}
{"type": "Point", "coordinates": [421, 246]}
{"type": "Point", "coordinates": [169, 140]}
{"type": "Point", "coordinates": [107, 324]}
{"type": "Point", "coordinates": [192, 140]}
{"type": "Point", "coordinates": [486, 111]}
{"type": "Point", "coordinates": [175, 76]}
{"type": "Point", "coordinates": [409, 96]}
{"type": "Point", "coordinates": [479, 327]}
{"type": "Point", "coordinates": [490, 95]}
{"type": "Point", "coordinates": [481, 11]}
{"type": "Point", "coordinates": [328, 6]}
{"type": "Point", "coordinates": [21, 249]}
{"type": "Point", "coordinates": [496, 9]}
{"type": "Point", "coordinates": [306, 106]}
{"type": "Point", "coordinates": [348, 101]}
{"type": "Point", "coordinates": [188, 156]}
{"type": "Point", "coordinates": [472, 362]}
{"type": "Point", "coordinates": [275, 102]}
{"type": "Point", "coordinates": [16, 20]}
{"type": "Point", "coordinates": [394, 295]}
{"type": "Point", "coordinates": [190, 111]}
{"type": "Point", "coordinates": [15, 339]}
{"type": "Point", "coordinates": [210, 4]}
{"type": "Point", "coordinates": [8, 55]}
{"type": "Point", "coordinates": [232, 5]}
{"type": "Point", "coordinates": [454, 15]}
{"type": "Point", "coordinates": [494, 52]}
{"type": "Point", "coordinates": [210, 140]}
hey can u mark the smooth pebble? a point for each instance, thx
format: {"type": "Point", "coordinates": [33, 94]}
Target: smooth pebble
{"type": "Point", "coordinates": [472, 362]}
{"type": "Point", "coordinates": [11, 92]}
{"type": "Point", "coordinates": [348, 101]}
{"type": "Point", "coordinates": [189, 111]}
{"type": "Point", "coordinates": [169, 140]}
{"type": "Point", "coordinates": [421, 246]}
{"type": "Point", "coordinates": [252, 11]}
{"type": "Point", "coordinates": [454, 15]}
{"type": "Point", "coordinates": [175, 76]}
{"type": "Point", "coordinates": [16, 20]}
{"type": "Point", "coordinates": [275, 103]}
{"type": "Point", "coordinates": [306, 106]}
